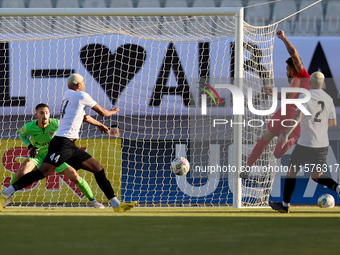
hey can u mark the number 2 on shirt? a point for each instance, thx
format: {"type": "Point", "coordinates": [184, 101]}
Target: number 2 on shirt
{"type": "Point", "coordinates": [63, 107]}
{"type": "Point", "coordinates": [322, 103]}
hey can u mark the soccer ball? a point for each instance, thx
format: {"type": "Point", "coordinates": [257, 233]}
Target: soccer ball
{"type": "Point", "coordinates": [180, 166]}
{"type": "Point", "coordinates": [326, 201]}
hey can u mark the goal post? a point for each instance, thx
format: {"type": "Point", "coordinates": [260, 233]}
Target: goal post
{"type": "Point", "coordinates": [157, 65]}
{"type": "Point", "coordinates": [237, 194]}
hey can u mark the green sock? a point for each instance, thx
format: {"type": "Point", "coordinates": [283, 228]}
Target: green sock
{"type": "Point", "coordinates": [13, 180]}
{"type": "Point", "coordinates": [85, 189]}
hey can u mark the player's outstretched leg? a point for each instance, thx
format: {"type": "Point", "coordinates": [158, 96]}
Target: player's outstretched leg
{"type": "Point", "coordinates": [97, 169]}
{"type": "Point", "coordinates": [106, 187]}
{"type": "Point", "coordinates": [81, 183]}
{"type": "Point", "coordinates": [257, 151]}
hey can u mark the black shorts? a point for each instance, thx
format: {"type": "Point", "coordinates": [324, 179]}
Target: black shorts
{"type": "Point", "coordinates": [306, 155]}
{"type": "Point", "coordinates": [62, 149]}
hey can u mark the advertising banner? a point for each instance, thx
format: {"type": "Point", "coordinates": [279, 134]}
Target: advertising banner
{"type": "Point", "coordinates": [140, 170]}
{"type": "Point", "coordinates": [57, 188]}
{"type": "Point", "coordinates": [148, 179]}
{"type": "Point", "coordinates": [35, 71]}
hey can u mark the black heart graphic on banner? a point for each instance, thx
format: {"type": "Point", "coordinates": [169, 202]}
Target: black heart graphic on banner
{"type": "Point", "coordinates": [113, 71]}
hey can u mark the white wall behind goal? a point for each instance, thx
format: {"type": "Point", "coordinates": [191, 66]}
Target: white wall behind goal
{"type": "Point", "coordinates": [64, 54]}
{"type": "Point", "coordinates": [135, 98]}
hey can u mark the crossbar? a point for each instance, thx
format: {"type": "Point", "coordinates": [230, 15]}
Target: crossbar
{"type": "Point", "coordinates": [228, 11]}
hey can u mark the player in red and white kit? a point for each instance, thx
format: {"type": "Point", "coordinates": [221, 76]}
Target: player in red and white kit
{"type": "Point", "coordinates": [298, 78]}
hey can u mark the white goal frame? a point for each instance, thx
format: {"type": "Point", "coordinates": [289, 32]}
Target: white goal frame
{"type": "Point", "coordinates": [228, 11]}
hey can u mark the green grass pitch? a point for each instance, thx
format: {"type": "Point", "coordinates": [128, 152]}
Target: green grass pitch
{"type": "Point", "coordinates": [60, 231]}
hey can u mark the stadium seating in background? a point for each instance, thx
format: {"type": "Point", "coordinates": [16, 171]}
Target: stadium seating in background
{"type": "Point", "coordinates": [121, 4]}
{"type": "Point", "coordinates": [284, 9]}
{"type": "Point", "coordinates": [13, 4]}
{"type": "Point", "coordinates": [94, 4]}
{"type": "Point", "coordinates": [309, 21]}
{"type": "Point", "coordinates": [40, 4]}
{"type": "Point", "coordinates": [67, 4]}
{"type": "Point", "coordinates": [333, 9]}
{"type": "Point", "coordinates": [315, 10]}
{"type": "Point", "coordinates": [231, 3]}
{"type": "Point", "coordinates": [331, 24]}
{"type": "Point", "coordinates": [320, 19]}
{"type": "Point", "coordinates": [257, 15]}
{"type": "Point", "coordinates": [204, 3]}
{"type": "Point", "coordinates": [148, 4]}
{"type": "Point", "coordinates": [177, 3]}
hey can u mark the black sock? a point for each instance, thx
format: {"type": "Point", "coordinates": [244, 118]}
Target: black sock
{"type": "Point", "coordinates": [104, 184]}
{"type": "Point", "coordinates": [288, 189]}
{"type": "Point", "coordinates": [328, 182]}
{"type": "Point", "coordinates": [28, 179]}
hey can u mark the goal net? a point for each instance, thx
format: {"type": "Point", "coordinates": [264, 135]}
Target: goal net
{"type": "Point", "coordinates": [163, 73]}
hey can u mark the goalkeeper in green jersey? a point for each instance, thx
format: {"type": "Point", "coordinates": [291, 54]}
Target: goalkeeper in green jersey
{"type": "Point", "coordinates": [42, 131]}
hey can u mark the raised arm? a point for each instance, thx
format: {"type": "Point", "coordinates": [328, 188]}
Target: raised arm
{"type": "Point", "coordinates": [103, 112]}
{"type": "Point", "coordinates": [92, 121]}
{"type": "Point", "coordinates": [291, 50]}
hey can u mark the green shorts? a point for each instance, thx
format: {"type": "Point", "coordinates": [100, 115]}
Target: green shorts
{"type": "Point", "coordinates": [39, 159]}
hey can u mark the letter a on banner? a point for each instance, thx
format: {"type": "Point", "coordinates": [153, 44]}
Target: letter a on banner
{"type": "Point", "coordinates": [319, 63]}
{"type": "Point", "coordinates": [171, 61]}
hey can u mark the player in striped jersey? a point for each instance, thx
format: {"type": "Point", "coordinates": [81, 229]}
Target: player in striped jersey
{"type": "Point", "coordinates": [42, 130]}
{"type": "Point", "coordinates": [312, 146]}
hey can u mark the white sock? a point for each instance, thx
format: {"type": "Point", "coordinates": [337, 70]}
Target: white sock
{"type": "Point", "coordinates": [114, 202]}
{"type": "Point", "coordinates": [338, 189]}
{"type": "Point", "coordinates": [8, 191]}
{"type": "Point", "coordinates": [285, 204]}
